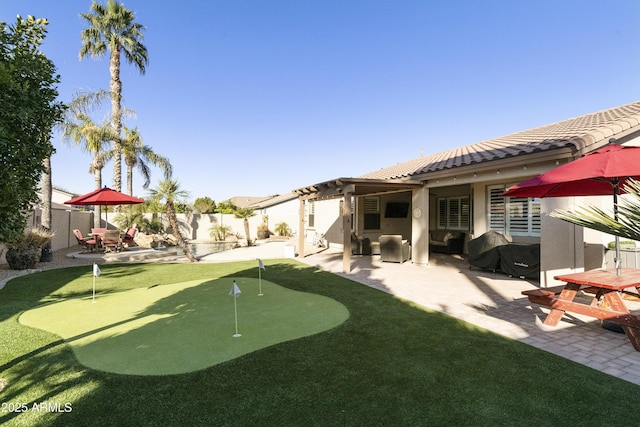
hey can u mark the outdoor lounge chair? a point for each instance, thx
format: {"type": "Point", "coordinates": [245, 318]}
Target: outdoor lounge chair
{"type": "Point", "coordinates": [360, 245]}
{"type": "Point", "coordinates": [128, 237]}
{"type": "Point", "coordinates": [394, 249]}
{"type": "Point", "coordinates": [89, 243]}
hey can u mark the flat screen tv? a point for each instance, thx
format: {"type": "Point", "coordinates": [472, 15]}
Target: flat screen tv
{"type": "Point", "coordinates": [396, 210]}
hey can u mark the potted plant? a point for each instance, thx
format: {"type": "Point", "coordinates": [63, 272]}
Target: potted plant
{"type": "Point", "coordinates": [263, 231]}
{"type": "Point", "coordinates": [25, 252]}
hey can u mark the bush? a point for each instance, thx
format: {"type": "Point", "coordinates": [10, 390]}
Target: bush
{"type": "Point", "coordinates": [219, 232]}
{"type": "Point", "coordinates": [35, 238]}
{"type": "Point", "coordinates": [282, 229]}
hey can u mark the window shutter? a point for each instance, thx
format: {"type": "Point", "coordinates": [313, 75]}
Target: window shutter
{"type": "Point", "coordinates": [371, 213]}
{"type": "Point", "coordinates": [442, 213]}
{"type": "Point", "coordinates": [497, 217]}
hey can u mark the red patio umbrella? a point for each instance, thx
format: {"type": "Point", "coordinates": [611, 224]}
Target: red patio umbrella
{"type": "Point", "coordinates": [104, 197]}
{"type": "Point", "coordinates": [601, 172]}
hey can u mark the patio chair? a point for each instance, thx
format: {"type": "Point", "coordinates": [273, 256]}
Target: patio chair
{"type": "Point", "coordinates": [128, 237]}
{"type": "Point", "coordinates": [89, 243]}
{"type": "Point", "coordinates": [111, 240]}
{"type": "Point", "coordinates": [394, 249]}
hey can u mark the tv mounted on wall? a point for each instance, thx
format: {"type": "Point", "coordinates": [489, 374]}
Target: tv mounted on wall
{"type": "Point", "coordinates": [396, 210]}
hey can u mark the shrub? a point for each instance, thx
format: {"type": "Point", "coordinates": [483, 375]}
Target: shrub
{"type": "Point", "coordinates": [282, 229]}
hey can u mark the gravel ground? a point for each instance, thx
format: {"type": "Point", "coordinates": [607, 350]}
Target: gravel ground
{"type": "Point", "coordinates": [60, 260]}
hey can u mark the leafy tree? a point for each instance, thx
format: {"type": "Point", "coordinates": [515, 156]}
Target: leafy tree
{"type": "Point", "coordinates": [112, 29]}
{"type": "Point", "coordinates": [169, 191]}
{"type": "Point", "coordinates": [28, 113]}
{"type": "Point", "coordinates": [245, 214]}
{"type": "Point", "coordinates": [204, 205]}
{"type": "Point", "coordinates": [226, 207]}
{"type": "Point", "coordinates": [137, 154]}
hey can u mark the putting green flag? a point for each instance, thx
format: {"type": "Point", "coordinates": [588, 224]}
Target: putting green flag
{"type": "Point", "coordinates": [96, 270]}
{"type": "Point", "coordinates": [235, 290]}
{"type": "Point", "coordinates": [260, 264]}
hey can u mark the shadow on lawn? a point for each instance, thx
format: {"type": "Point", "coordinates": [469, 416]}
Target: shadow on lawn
{"type": "Point", "coordinates": [289, 371]}
{"type": "Point", "coordinates": [390, 362]}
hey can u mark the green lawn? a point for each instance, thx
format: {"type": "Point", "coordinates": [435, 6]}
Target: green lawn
{"type": "Point", "coordinates": [389, 363]}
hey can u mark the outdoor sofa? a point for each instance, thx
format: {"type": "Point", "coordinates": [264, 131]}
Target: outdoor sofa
{"type": "Point", "coordinates": [446, 241]}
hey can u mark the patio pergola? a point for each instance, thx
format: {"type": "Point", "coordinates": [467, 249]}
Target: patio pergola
{"type": "Point", "coordinates": [346, 188]}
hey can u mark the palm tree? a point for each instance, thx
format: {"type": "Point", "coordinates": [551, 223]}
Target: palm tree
{"type": "Point", "coordinates": [169, 191]}
{"type": "Point", "coordinates": [137, 154]}
{"type": "Point", "coordinates": [80, 130]}
{"type": "Point", "coordinates": [245, 214]}
{"type": "Point", "coordinates": [112, 28]}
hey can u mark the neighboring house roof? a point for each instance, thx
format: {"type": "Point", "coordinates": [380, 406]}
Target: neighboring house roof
{"type": "Point", "coordinates": [274, 200]}
{"type": "Point", "coordinates": [246, 201]}
{"type": "Point", "coordinates": [580, 133]}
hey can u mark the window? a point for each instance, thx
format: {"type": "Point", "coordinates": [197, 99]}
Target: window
{"type": "Point", "coordinates": [454, 213]}
{"type": "Point", "coordinates": [312, 215]}
{"type": "Point", "coordinates": [513, 216]}
{"type": "Point", "coordinates": [371, 213]}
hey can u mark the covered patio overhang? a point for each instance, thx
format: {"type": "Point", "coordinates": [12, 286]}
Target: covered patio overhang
{"type": "Point", "coordinates": [346, 188]}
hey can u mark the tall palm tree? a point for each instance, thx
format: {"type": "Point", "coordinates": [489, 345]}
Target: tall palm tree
{"type": "Point", "coordinates": [79, 129]}
{"type": "Point", "coordinates": [169, 191]}
{"type": "Point", "coordinates": [112, 28]}
{"type": "Point", "coordinates": [137, 154]}
{"type": "Point", "coordinates": [245, 214]}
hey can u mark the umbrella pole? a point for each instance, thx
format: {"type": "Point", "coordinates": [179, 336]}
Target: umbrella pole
{"type": "Point", "coordinates": [618, 260]}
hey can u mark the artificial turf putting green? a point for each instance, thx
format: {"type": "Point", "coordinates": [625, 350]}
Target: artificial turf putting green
{"type": "Point", "coordinates": [182, 327]}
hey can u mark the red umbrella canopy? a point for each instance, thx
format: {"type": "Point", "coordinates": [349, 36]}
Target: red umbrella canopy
{"type": "Point", "coordinates": [594, 174]}
{"type": "Point", "coordinates": [104, 196]}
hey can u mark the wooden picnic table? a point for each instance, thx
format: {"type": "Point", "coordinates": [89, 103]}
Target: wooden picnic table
{"type": "Point", "coordinates": [608, 302]}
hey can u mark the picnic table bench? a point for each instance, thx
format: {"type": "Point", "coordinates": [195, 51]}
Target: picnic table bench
{"type": "Point", "coordinates": [607, 303]}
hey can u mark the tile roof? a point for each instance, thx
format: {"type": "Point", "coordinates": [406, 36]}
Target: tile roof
{"type": "Point", "coordinates": [580, 132]}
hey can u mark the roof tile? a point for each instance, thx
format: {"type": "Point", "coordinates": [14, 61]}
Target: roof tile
{"type": "Point", "coordinates": [581, 132]}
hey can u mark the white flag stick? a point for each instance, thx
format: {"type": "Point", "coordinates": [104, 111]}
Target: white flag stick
{"type": "Point", "coordinates": [96, 273]}
{"type": "Point", "coordinates": [260, 268]}
{"type": "Point", "coordinates": [235, 291]}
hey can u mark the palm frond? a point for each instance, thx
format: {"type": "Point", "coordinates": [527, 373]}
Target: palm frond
{"type": "Point", "coordinates": [626, 225]}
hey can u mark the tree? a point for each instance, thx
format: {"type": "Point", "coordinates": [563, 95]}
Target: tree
{"type": "Point", "coordinates": [112, 29]}
{"type": "Point", "coordinates": [204, 205]}
{"type": "Point", "coordinates": [137, 154]}
{"type": "Point", "coordinates": [28, 113]}
{"type": "Point", "coordinates": [245, 214]}
{"type": "Point", "coordinates": [169, 191]}
{"type": "Point", "coordinates": [226, 207]}
{"type": "Point", "coordinates": [80, 130]}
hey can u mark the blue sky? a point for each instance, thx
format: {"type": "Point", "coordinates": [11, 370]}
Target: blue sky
{"type": "Point", "coordinates": [259, 97]}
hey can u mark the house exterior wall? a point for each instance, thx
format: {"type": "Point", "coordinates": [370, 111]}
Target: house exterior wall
{"type": "Point", "coordinates": [286, 212]}
{"type": "Point", "coordinates": [327, 221]}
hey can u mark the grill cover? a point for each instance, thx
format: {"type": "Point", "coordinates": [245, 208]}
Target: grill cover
{"type": "Point", "coordinates": [520, 260]}
{"type": "Point", "coordinates": [483, 250]}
